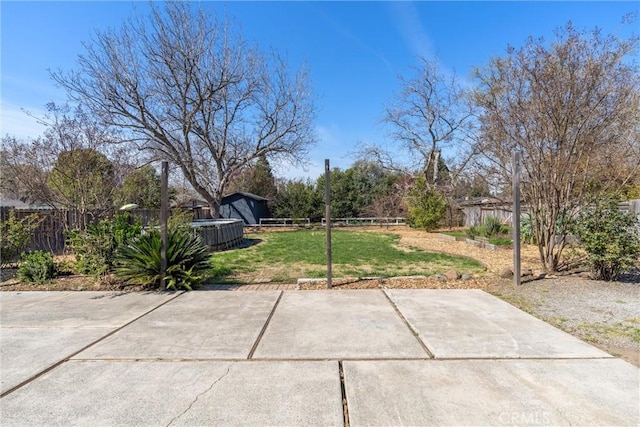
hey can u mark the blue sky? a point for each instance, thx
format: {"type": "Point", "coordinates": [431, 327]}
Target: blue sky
{"type": "Point", "coordinates": [354, 50]}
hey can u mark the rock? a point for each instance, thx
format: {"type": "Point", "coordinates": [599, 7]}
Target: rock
{"type": "Point", "coordinates": [527, 272]}
{"type": "Point", "coordinates": [466, 277]}
{"type": "Point", "coordinates": [539, 274]}
{"type": "Point", "coordinates": [506, 273]}
{"type": "Point", "coordinates": [452, 275]}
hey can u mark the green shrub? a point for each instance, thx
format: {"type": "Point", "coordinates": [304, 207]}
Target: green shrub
{"type": "Point", "coordinates": [426, 206]}
{"type": "Point", "coordinates": [527, 233]}
{"type": "Point", "coordinates": [473, 231]}
{"type": "Point", "coordinates": [16, 235]}
{"type": "Point", "coordinates": [94, 247]}
{"type": "Point", "coordinates": [37, 266]}
{"type": "Point", "coordinates": [493, 227]}
{"type": "Point", "coordinates": [610, 237]}
{"type": "Point", "coordinates": [180, 219]}
{"type": "Point", "coordinates": [188, 260]}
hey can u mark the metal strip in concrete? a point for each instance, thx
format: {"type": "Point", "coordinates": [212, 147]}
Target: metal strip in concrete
{"type": "Point", "coordinates": [152, 393]}
{"type": "Point", "coordinates": [25, 352]}
{"type": "Point", "coordinates": [337, 325]}
{"type": "Point", "coordinates": [493, 392]}
{"type": "Point", "coordinates": [75, 309]}
{"type": "Point", "coordinates": [197, 325]}
{"type": "Point", "coordinates": [456, 323]}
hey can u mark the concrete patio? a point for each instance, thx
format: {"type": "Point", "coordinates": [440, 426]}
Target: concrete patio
{"type": "Point", "coordinates": [291, 358]}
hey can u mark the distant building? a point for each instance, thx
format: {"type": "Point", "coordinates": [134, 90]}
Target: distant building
{"type": "Point", "coordinates": [20, 205]}
{"type": "Point", "coordinates": [193, 204]}
{"type": "Point", "coordinates": [245, 206]}
{"type": "Point", "coordinates": [478, 209]}
{"type": "Point", "coordinates": [7, 205]}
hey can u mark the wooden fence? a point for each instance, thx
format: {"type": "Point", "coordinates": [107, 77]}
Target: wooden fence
{"type": "Point", "coordinates": [631, 206]}
{"type": "Point", "coordinates": [477, 215]}
{"type": "Point", "coordinates": [50, 234]}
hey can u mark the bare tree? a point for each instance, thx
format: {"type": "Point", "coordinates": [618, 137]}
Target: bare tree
{"type": "Point", "coordinates": [190, 90]}
{"type": "Point", "coordinates": [72, 140]}
{"type": "Point", "coordinates": [22, 171]}
{"type": "Point", "coordinates": [571, 107]}
{"type": "Point", "coordinates": [430, 112]}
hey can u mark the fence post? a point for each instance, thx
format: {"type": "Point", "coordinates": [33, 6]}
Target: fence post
{"type": "Point", "coordinates": [164, 214]}
{"type": "Point", "coordinates": [515, 222]}
{"type": "Point", "coordinates": [327, 214]}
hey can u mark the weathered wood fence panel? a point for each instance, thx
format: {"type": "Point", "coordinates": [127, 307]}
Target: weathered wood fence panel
{"type": "Point", "coordinates": [477, 215]}
{"type": "Point", "coordinates": [50, 235]}
{"type": "Point", "coordinates": [631, 206]}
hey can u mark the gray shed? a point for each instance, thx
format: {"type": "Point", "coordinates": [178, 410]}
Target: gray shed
{"type": "Point", "coordinates": [245, 206]}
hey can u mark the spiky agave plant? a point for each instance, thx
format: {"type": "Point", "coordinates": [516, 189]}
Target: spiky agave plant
{"type": "Point", "coordinates": [188, 260]}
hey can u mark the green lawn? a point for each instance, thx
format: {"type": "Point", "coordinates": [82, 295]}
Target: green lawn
{"type": "Point", "coordinates": [288, 255]}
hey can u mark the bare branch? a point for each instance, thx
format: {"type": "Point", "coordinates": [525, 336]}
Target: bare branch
{"type": "Point", "coordinates": [190, 90]}
{"type": "Point", "coordinates": [571, 108]}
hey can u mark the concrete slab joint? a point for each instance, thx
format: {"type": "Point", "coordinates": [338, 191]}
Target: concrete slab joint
{"type": "Point", "coordinates": [256, 358]}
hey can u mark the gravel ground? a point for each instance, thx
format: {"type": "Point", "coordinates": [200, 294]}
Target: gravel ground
{"type": "Point", "coordinates": [605, 314]}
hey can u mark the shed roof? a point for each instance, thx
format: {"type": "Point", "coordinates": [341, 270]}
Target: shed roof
{"type": "Point", "coordinates": [484, 201]}
{"type": "Point", "coordinates": [245, 194]}
{"type": "Point", "coordinates": [20, 205]}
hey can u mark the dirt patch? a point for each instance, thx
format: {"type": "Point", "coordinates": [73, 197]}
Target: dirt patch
{"type": "Point", "coordinates": [71, 282]}
{"type": "Point", "coordinates": [494, 261]}
{"type": "Point", "coordinates": [477, 282]}
{"type": "Point", "coordinates": [66, 281]}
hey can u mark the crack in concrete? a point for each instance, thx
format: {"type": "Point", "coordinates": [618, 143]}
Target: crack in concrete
{"type": "Point", "coordinates": [199, 395]}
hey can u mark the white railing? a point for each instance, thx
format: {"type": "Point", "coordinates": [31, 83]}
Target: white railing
{"type": "Point", "coordinates": [367, 221]}
{"type": "Point", "coordinates": [351, 222]}
{"type": "Point", "coordinates": [284, 222]}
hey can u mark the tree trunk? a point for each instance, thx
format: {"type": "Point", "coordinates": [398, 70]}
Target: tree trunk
{"type": "Point", "coordinates": [214, 208]}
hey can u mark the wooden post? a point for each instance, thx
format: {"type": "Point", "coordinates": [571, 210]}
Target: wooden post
{"type": "Point", "coordinates": [164, 216]}
{"type": "Point", "coordinates": [516, 217]}
{"type": "Point", "coordinates": [327, 215]}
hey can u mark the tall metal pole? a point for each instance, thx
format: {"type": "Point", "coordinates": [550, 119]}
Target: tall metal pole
{"type": "Point", "coordinates": [327, 215]}
{"type": "Point", "coordinates": [164, 216]}
{"type": "Point", "coordinates": [516, 216]}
